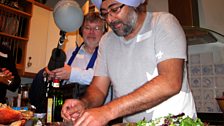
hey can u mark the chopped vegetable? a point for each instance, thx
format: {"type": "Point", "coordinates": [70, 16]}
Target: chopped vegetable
{"type": "Point", "coordinates": [172, 120]}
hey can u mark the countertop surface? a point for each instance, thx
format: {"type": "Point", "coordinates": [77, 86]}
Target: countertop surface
{"type": "Point", "coordinates": [213, 119]}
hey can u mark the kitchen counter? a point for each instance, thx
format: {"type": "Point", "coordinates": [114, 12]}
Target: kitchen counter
{"type": "Point", "coordinates": [214, 119]}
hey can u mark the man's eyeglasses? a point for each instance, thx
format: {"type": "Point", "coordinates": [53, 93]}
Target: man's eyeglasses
{"type": "Point", "coordinates": [115, 10]}
{"type": "Point", "coordinates": [97, 28]}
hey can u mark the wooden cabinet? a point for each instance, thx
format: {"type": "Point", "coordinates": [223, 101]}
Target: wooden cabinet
{"type": "Point", "coordinates": [30, 33]}
{"type": "Point", "coordinates": [14, 29]}
{"type": "Point", "coordinates": [44, 36]}
{"type": "Point", "coordinates": [186, 11]}
{"type": "Point", "coordinates": [35, 58]}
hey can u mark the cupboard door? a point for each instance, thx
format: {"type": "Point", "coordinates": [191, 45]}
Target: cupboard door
{"type": "Point", "coordinates": [53, 37]}
{"type": "Point", "coordinates": [186, 11]}
{"type": "Point", "coordinates": [36, 48]}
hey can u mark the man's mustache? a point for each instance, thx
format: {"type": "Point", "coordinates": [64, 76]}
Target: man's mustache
{"type": "Point", "coordinates": [113, 24]}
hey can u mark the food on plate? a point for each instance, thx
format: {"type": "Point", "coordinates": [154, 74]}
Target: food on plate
{"type": "Point", "coordinates": [13, 117]}
{"type": "Point", "coordinates": [172, 120]}
{"type": "Point", "coordinates": [27, 114]}
{"type": "Point", "coordinates": [18, 123]}
{"type": "Point", "coordinates": [8, 115]}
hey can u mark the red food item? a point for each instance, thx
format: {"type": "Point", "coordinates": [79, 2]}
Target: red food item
{"type": "Point", "coordinates": [8, 115]}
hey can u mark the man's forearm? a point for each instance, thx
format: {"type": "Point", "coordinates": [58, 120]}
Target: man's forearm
{"type": "Point", "coordinates": [93, 97]}
{"type": "Point", "coordinates": [167, 84]}
{"type": "Point", "coordinates": [149, 95]}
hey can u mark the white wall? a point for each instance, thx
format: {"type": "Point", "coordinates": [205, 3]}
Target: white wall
{"type": "Point", "coordinates": [53, 37]}
{"type": "Point", "coordinates": [211, 14]}
{"type": "Point", "coordinates": [53, 40]}
{"type": "Point", "coordinates": [158, 5]}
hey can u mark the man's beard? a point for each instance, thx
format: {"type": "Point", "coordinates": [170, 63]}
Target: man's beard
{"type": "Point", "coordinates": [127, 27]}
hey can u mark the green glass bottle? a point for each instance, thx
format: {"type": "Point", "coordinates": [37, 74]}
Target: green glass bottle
{"type": "Point", "coordinates": [54, 102]}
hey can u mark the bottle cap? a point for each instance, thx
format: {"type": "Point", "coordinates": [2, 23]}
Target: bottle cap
{"type": "Point", "coordinates": [56, 80]}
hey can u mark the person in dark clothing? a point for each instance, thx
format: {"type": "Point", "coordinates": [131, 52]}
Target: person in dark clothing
{"type": "Point", "coordinates": [9, 78]}
{"type": "Point", "coordinates": [38, 91]}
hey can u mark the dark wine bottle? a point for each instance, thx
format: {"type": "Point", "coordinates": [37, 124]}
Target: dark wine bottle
{"type": "Point", "coordinates": [54, 102]}
{"type": "Point", "coordinates": [24, 98]}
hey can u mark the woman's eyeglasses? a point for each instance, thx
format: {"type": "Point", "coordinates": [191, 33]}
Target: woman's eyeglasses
{"type": "Point", "coordinates": [114, 10]}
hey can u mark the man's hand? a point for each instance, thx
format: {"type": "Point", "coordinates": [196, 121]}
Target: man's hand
{"type": "Point", "coordinates": [60, 73]}
{"type": "Point", "coordinates": [93, 117]}
{"type": "Point", "coordinates": [63, 73]}
{"type": "Point", "coordinates": [72, 109]}
{"type": "Point", "coordinates": [49, 73]}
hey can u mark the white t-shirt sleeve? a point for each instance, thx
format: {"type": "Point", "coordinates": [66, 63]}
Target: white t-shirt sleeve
{"type": "Point", "coordinates": [170, 40]}
{"type": "Point", "coordinates": [100, 68]}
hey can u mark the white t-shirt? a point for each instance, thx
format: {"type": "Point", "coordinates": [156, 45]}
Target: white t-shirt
{"type": "Point", "coordinates": [129, 64]}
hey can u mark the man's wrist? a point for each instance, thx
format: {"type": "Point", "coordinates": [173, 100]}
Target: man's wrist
{"type": "Point", "coordinates": [108, 113]}
{"type": "Point", "coordinates": [85, 102]}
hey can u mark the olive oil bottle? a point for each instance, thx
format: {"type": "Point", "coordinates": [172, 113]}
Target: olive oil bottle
{"type": "Point", "coordinates": [54, 102]}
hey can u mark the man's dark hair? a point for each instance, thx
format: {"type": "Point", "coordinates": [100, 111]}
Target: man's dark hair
{"type": "Point", "coordinates": [142, 7]}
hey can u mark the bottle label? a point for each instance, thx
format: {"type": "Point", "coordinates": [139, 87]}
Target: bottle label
{"type": "Point", "coordinates": [49, 109]}
{"type": "Point", "coordinates": [56, 83]}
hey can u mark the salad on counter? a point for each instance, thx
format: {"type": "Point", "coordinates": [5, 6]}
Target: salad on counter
{"type": "Point", "coordinates": [172, 120]}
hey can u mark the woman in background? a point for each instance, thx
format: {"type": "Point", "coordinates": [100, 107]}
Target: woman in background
{"type": "Point", "coordinates": [9, 77]}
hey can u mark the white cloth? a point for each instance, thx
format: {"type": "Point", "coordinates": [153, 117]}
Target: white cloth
{"type": "Point", "coordinates": [79, 73]}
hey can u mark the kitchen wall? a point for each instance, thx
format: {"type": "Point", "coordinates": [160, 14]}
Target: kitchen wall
{"type": "Point", "coordinates": [211, 14]}
{"type": "Point", "coordinates": [52, 3]}
{"type": "Point", "coordinates": [210, 11]}
{"type": "Point", "coordinates": [158, 5]}
{"type": "Point", "coordinates": [206, 61]}
{"type": "Point", "coordinates": [206, 75]}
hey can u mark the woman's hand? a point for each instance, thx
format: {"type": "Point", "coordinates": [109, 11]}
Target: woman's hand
{"type": "Point", "coordinates": [6, 76]}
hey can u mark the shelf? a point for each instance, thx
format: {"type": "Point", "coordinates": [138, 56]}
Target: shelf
{"type": "Point", "coordinates": [14, 37]}
{"type": "Point", "coordinates": [29, 75]}
{"type": "Point", "coordinates": [13, 10]}
{"type": "Point", "coordinates": [14, 30]}
{"type": "Point", "coordinates": [19, 66]}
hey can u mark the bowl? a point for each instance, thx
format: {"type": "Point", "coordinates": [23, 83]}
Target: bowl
{"type": "Point", "coordinates": [39, 115]}
{"type": "Point", "coordinates": [220, 102]}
